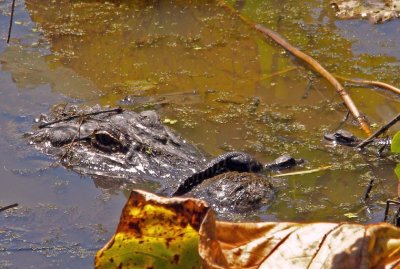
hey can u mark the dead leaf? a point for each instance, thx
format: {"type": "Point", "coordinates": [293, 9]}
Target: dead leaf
{"type": "Point", "coordinates": [155, 232]}
{"type": "Point", "coordinates": [296, 245]}
{"type": "Point", "coordinates": [163, 233]}
{"type": "Point", "coordinates": [376, 11]}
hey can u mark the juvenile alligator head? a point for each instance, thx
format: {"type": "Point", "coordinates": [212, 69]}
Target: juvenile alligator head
{"type": "Point", "coordinates": [342, 137]}
{"type": "Point", "coordinates": [117, 143]}
{"type": "Point", "coordinates": [346, 138]}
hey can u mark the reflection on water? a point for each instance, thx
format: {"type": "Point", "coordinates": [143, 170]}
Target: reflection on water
{"type": "Point", "coordinates": [30, 70]}
{"type": "Point", "coordinates": [194, 62]}
{"type": "Point", "coordinates": [178, 46]}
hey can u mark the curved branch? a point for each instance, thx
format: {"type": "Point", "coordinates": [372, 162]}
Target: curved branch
{"type": "Point", "coordinates": [321, 70]}
{"type": "Point", "coordinates": [379, 84]}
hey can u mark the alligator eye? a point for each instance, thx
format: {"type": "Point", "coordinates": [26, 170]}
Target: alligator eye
{"type": "Point", "coordinates": [106, 141]}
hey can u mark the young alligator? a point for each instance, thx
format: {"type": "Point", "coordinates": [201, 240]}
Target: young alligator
{"type": "Point", "coordinates": [346, 138]}
{"type": "Point", "coordinates": [234, 161]}
{"type": "Point", "coordinates": [231, 161]}
{"type": "Point", "coordinates": [343, 137]}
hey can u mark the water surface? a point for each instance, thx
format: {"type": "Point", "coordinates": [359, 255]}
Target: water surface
{"type": "Point", "coordinates": [229, 88]}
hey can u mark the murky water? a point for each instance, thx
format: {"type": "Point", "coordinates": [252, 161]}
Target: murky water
{"type": "Point", "coordinates": [228, 87]}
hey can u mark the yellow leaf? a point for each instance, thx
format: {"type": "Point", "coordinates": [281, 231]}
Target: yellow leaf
{"type": "Point", "coordinates": [155, 232]}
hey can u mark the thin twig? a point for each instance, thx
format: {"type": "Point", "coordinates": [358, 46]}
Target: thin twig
{"type": "Point", "coordinates": [11, 21]}
{"type": "Point", "coordinates": [379, 84]}
{"type": "Point", "coordinates": [368, 190]}
{"type": "Point", "coordinates": [278, 73]}
{"type": "Point", "coordinates": [117, 110]}
{"type": "Point", "coordinates": [8, 207]}
{"type": "Point", "coordinates": [321, 70]}
{"type": "Point", "coordinates": [378, 132]}
{"type": "Point", "coordinates": [304, 172]}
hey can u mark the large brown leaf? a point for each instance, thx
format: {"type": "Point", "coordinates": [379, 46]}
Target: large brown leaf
{"type": "Point", "coordinates": [295, 245]}
{"type": "Point", "coordinates": [169, 227]}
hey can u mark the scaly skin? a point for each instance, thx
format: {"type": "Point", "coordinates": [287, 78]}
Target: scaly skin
{"type": "Point", "coordinates": [231, 161]}
{"type": "Point", "coordinates": [118, 144]}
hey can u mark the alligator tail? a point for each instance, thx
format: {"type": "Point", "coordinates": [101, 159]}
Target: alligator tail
{"type": "Point", "coordinates": [197, 178]}
{"type": "Point", "coordinates": [231, 161]}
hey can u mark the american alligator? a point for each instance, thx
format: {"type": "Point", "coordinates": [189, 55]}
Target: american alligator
{"type": "Point", "coordinates": [343, 137]}
{"type": "Point", "coordinates": [346, 138]}
{"type": "Point", "coordinates": [114, 143]}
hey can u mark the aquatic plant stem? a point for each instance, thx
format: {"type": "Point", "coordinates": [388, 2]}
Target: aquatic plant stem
{"type": "Point", "coordinates": [11, 21]}
{"type": "Point", "coordinates": [322, 71]}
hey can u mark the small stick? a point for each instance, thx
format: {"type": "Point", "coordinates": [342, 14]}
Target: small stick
{"type": "Point", "coordinates": [8, 207]}
{"type": "Point", "coordinates": [303, 172]}
{"type": "Point", "coordinates": [278, 73]}
{"type": "Point", "coordinates": [378, 132]}
{"type": "Point", "coordinates": [117, 110]}
{"type": "Point", "coordinates": [11, 20]}
{"type": "Point", "coordinates": [368, 190]}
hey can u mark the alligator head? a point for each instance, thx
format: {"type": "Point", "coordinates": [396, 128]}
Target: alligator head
{"type": "Point", "coordinates": [117, 143]}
